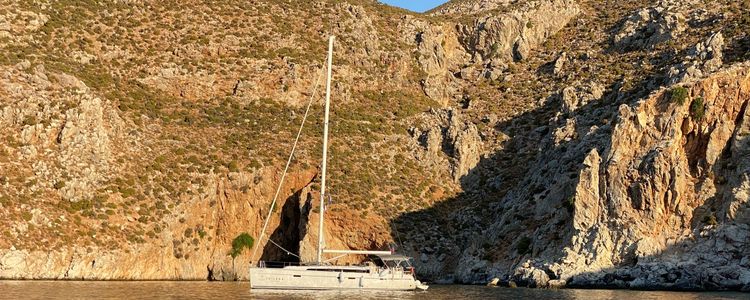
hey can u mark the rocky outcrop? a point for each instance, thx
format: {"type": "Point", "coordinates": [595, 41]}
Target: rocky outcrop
{"type": "Point", "coordinates": [470, 7]}
{"type": "Point", "coordinates": [482, 48]}
{"type": "Point", "coordinates": [447, 136]}
{"type": "Point", "coordinates": [578, 95]}
{"type": "Point", "coordinates": [559, 64]}
{"type": "Point", "coordinates": [650, 26]}
{"type": "Point", "coordinates": [339, 230]}
{"type": "Point", "coordinates": [671, 166]}
{"type": "Point", "coordinates": [528, 276]}
{"type": "Point", "coordinates": [438, 55]}
{"type": "Point", "coordinates": [711, 264]}
{"type": "Point", "coordinates": [85, 140]}
{"type": "Point", "coordinates": [704, 58]}
{"type": "Point", "coordinates": [511, 36]}
{"type": "Point", "coordinates": [70, 139]}
{"type": "Point", "coordinates": [640, 198]}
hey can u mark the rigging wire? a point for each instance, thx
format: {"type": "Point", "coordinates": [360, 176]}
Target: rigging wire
{"type": "Point", "coordinates": [286, 168]}
{"type": "Point", "coordinates": [400, 243]}
{"type": "Point", "coordinates": [282, 248]}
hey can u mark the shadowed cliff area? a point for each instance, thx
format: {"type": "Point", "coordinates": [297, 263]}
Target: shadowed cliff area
{"type": "Point", "coordinates": [563, 220]}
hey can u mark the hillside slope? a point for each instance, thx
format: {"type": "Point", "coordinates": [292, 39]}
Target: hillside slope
{"type": "Point", "coordinates": [546, 142]}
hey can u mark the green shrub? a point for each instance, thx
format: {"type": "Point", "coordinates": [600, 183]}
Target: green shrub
{"type": "Point", "coordinates": [678, 95]}
{"type": "Point", "coordinates": [60, 184]}
{"type": "Point", "coordinates": [494, 49]}
{"type": "Point", "coordinates": [569, 203]}
{"type": "Point", "coordinates": [710, 220]}
{"type": "Point", "coordinates": [233, 167]}
{"type": "Point", "coordinates": [30, 121]}
{"type": "Point", "coordinates": [26, 216]}
{"type": "Point", "coordinates": [127, 192]}
{"type": "Point", "coordinates": [697, 109]}
{"type": "Point", "coordinates": [524, 245]}
{"type": "Point", "coordinates": [241, 242]}
{"type": "Point", "coordinates": [80, 205]}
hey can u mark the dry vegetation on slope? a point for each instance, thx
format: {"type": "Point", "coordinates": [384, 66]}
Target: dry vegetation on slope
{"type": "Point", "coordinates": [201, 88]}
{"type": "Point", "coordinates": [162, 125]}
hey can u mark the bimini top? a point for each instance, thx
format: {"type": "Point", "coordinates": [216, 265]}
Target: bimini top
{"type": "Point", "coordinates": [393, 257]}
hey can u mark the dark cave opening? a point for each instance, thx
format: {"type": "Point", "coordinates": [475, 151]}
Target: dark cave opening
{"type": "Point", "coordinates": [289, 232]}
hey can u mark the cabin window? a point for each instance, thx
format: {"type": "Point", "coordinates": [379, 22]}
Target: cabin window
{"type": "Point", "coordinates": [341, 270]}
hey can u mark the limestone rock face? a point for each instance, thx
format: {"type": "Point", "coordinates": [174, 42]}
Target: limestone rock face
{"type": "Point", "coordinates": [177, 255]}
{"type": "Point", "coordinates": [667, 171]}
{"type": "Point", "coordinates": [529, 276]}
{"type": "Point", "coordinates": [199, 253]}
{"type": "Point", "coordinates": [85, 140]}
{"type": "Point", "coordinates": [448, 137]}
{"type": "Point", "coordinates": [466, 144]}
{"type": "Point", "coordinates": [579, 95]}
{"type": "Point", "coordinates": [630, 204]}
{"type": "Point", "coordinates": [511, 36]}
{"type": "Point", "coordinates": [339, 231]}
{"type": "Point", "coordinates": [482, 48]}
{"type": "Point", "coordinates": [70, 138]}
{"type": "Point", "coordinates": [704, 58]}
{"type": "Point", "coordinates": [437, 54]}
{"type": "Point", "coordinates": [588, 210]}
{"type": "Point", "coordinates": [648, 27]}
{"type": "Point", "coordinates": [469, 7]}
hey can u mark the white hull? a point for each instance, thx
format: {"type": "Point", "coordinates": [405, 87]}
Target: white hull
{"type": "Point", "coordinates": [332, 278]}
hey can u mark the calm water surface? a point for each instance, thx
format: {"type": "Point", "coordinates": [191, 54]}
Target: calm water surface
{"type": "Point", "coordinates": [241, 290]}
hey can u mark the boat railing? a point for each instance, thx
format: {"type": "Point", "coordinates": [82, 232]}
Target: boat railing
{"type": "Point", "coordinates": [277, 264]}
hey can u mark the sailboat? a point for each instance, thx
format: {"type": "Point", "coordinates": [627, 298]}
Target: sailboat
{"type": "Point", "coordinates": [388, 271]}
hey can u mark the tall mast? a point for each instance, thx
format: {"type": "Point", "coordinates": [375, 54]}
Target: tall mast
{"type": "Point", "coordinates": [325, 153]}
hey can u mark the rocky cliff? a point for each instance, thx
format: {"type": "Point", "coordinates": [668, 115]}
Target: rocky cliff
{"type": "Point", "coordinates": [646, 201]}
{"type": "Point", "coordinates": [546, 142]}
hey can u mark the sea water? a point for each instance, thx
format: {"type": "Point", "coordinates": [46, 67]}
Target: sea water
{"type": "Point", "coordinates": [241, 290]}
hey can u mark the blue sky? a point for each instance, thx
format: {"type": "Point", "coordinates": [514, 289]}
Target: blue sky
{"type": "Point", "coordinates": [415, 5]}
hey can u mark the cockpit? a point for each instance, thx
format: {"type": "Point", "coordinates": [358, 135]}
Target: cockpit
{"type": "Point", "coordinates": [393, 262]}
